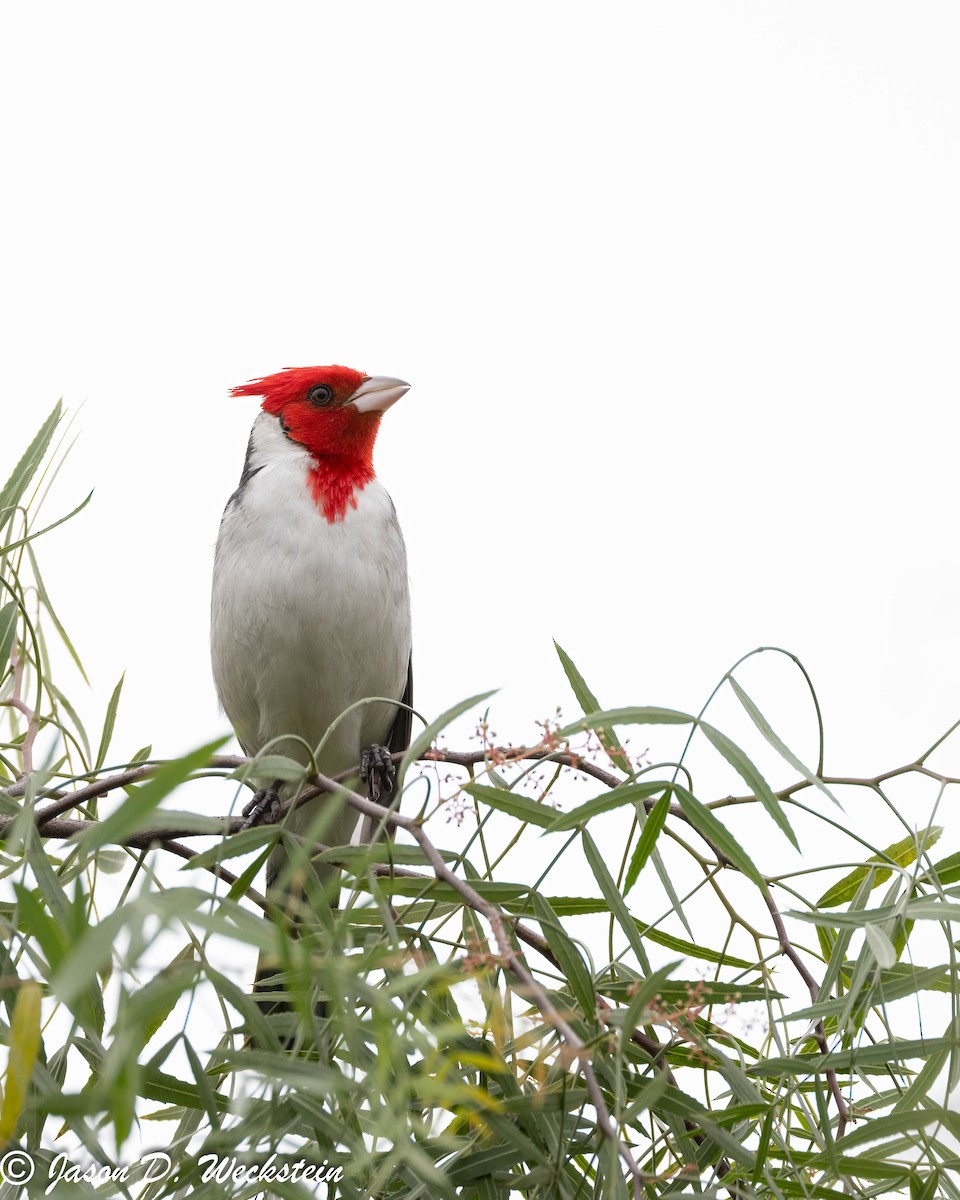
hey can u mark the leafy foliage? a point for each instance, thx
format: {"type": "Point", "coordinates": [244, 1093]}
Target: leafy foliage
{"type": "Point", "coordinates": [515, 1015]}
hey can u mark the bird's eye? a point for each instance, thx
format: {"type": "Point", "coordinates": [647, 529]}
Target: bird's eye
{"type": "Point", "coordinates": [320, 395]}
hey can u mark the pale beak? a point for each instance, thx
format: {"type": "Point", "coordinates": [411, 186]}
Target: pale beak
{"type": "Point", "coordinates": [377, 393]}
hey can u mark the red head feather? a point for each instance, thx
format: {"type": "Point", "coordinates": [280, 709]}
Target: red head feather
{"type": "Point", "coordinates": [294, 383]}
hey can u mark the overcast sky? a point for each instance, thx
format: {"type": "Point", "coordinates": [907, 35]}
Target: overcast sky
{"type": "Point", "coordinates": [675, 287]}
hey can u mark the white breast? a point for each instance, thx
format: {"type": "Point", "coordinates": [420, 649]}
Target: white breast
{"type": "Point", "coordinates": [308, 617]}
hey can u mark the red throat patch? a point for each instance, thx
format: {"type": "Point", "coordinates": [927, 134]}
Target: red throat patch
{"type": "Point", "coordinates": [334, 486]}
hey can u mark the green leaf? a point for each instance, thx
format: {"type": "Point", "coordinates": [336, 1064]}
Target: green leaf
{"type": "Point", "coordinates": [397, 885]}
{"type": "Point", "coordinates": [609, 718]}
{"type": "Point", "coordinates": [271, 766]}
{"type": "Point", "coordinates": [684, 993]}
{"type": "Point", "coordinates": [168, 1089]}
{"type": "Point", "coordinates": [37, 922]}
{"type": "Point", "coordinates": [895, 983]}
{"type": "Point", "coordinates": [903, 853]}
{"type": "Point", "coordinates": [717, 834]}
{"type": "Point", "coordinates": [691, 949]}
{"type": "Point", "coordinates": [108, 724]}
{"type": "Point", "coordinates": [628, 793]}
{"type": "Point", "coordinates": [880, 945]}
{"type": "Point", "coordinates": [32, 537]}
{"type": "Point", "coordinates": [652, 826]}
{"type": "Point", "coordinates": [12, 491]}
{"type": "Point", "coordinates": [57, 624]}
{"type": "Point", "coordinates": [859, 1057]}
{"type": "Point", "coordinates": [875, 1129]}
{"type": "Point", "coordinates": [946, 871]}
{"type": "Point", "coordinates": [24, 1043]}
{"type": "Point", "coordinates": [783, 750]}
{"type": "Point", "coordinates": [9, 615]}
{"type": "Point", "coordinates": [925, 1188]}
{"type": "Point", "coordinates": [237, 844]}
{"type": "Point", "coordinates": [589, 703]}
{"type": "Point", "coordinates": [575, 906]}
{"type": "Point", "coordinates": [132, 814]}
{"type": "Point", "coordinates": [751, 777]}
{"type": "Point", "coordinates": [567, 955]}
{"type": "Point", "coordinates": [72, 714]}
{"type": "Point", "coordinates": [637, 994]}
{"type": "Point", "coordinates": [78, 968]}
{"type": "Point", "coordinates": [515, 805]}
{"type": "Point", "coordinates": [611, 894]}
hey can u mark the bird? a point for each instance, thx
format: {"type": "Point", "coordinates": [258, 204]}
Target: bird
{"type": "Point", "coordinates": [310, 608]}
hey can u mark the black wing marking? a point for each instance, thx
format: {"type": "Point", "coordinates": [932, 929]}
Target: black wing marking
{"type": "Point", "coordinates": [403, 725]}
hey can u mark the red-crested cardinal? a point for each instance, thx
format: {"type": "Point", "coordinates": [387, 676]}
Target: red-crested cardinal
{"type": "Point", "coordinates": [311, 608]}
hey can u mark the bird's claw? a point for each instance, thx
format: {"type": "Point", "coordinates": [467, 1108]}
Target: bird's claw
{"type": "Point", "coordinates": [377, 771]}
{"type": "Point", "coordinates": [263, 809]}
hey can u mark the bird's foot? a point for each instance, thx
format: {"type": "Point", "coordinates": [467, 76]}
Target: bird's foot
{"type": "Point", "coordinates": [377, 771]}
{"type": "Point", "coordinates": [264, 808]}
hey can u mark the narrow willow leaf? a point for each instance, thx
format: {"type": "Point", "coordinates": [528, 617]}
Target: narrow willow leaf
{"type": "Point", "coordinates": [51, 613]}
{"type": "Point", "coordinates": [946, 871]}
{"type": "Point", "coordinates": [74, 717]}
{"type": "Point", "coordinates": [108, 724]}
{"type": "Point", "coordinates": [917, 1093]}
{"type": "Point", "coordinates": [615, 902]}
{"type": "Point", "coordinates": [903, 853]}
{"type": "Point", "coordinates": [638, 995]}
{"type": "Point", "coordinates": [751, 777]}
{"type": "Point", "coordinates": [425, 739]}
{"type": "Point", "coordinates": [271, 766]}
{"type": "Point", "coordinates": [567, 955]}
{"type": "Point", "coordinates": [515, 805]}
{"type": "Point", "coordinates": [12, 491]}
{"type": "Point", "coordinates": [687, 992]}
{"type": "Point", "coordinates": [876, 1129]}
{"type": "Point", "coordinates": [717, 834]}
{"type": "Point", "coordinates": [879, 1054]}
{"type": "Point", "coordinates": [880, 945]}
{"type": "Point", "coordinates": [496, 893]}
{"type": "Point", "coordinates": [925, 1188]}
{"type": "Point", "coordinates": [652, 824]}
{"type": "Point", "coordinates": [589, 703]}
{"type": "Point", "coordinates": [9, 615]}
{"type": "Point", "coordinates": [133, 813]}
{"type": "Point", "coordinates": [783, 750]}
{"type": "Point", "coordinates": [691, 949]}
{"type": "Point", "coordinates": [611, 717]}
{"type": "Point", "coordinates": [32, 537]}
{"type": "Point", "coordinates": [78, 968]}
{"type": "Point", "coordinates": [628, 793]}
{"type": "Point", "coordinates": [235, 846]}
{"type": "Point", "coordinates": [692, 1110]}
{"type": "Point", "coordinates": [110, 862]}
{"type": "Point", "coordinates": [24, 1043]}
{"type": "Point", "coordinates": [168, 1089]}
{"type": "Point", "coordinates": [37, 922]}
{"type": "Point", "coordinates": [478, 1163]}
{"type": "Point", "coordinates": [895, 983]}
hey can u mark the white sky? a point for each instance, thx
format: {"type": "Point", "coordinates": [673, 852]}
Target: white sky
{"type": "Point", "coordinates": [675, 287]}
